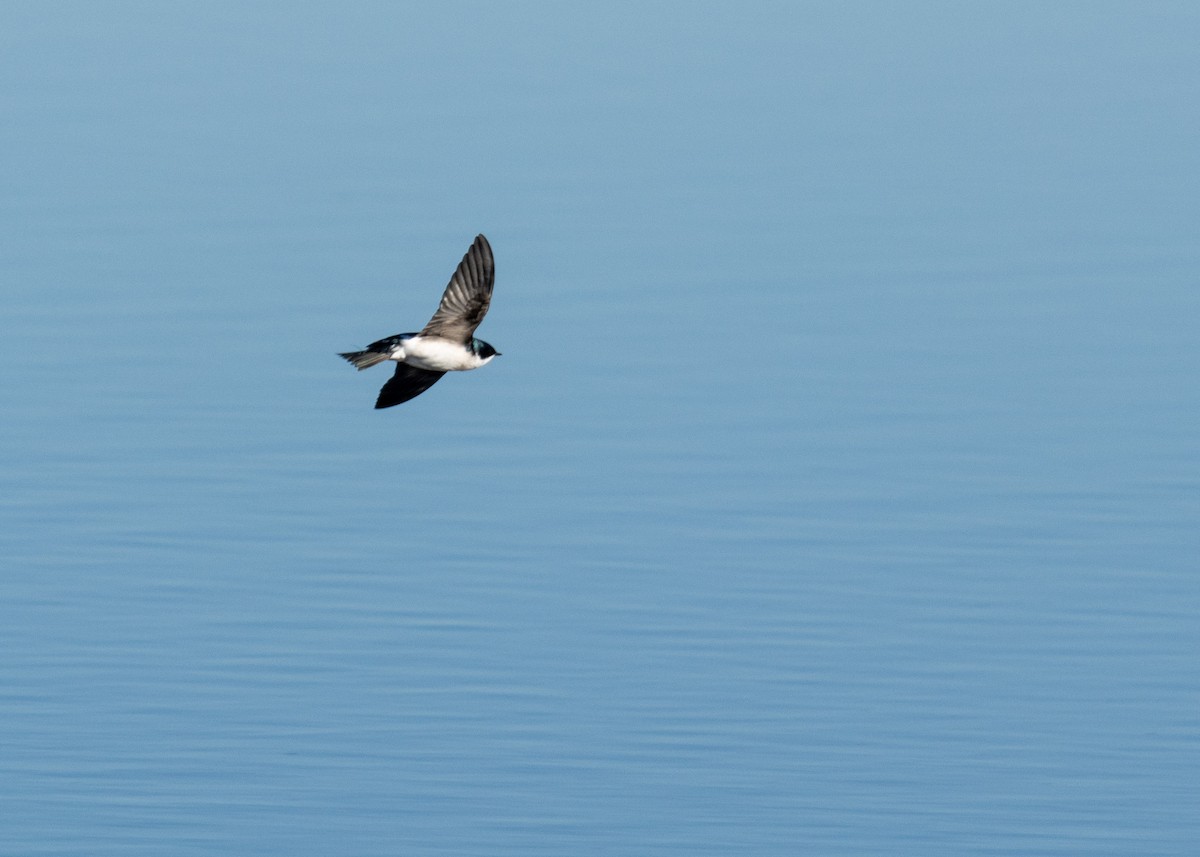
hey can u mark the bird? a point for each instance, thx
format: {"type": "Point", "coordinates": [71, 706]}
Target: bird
{"type": "Point", "coordinates": [447, 343]}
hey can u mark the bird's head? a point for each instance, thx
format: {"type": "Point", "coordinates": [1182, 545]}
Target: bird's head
{"type": "Point", "coordinates": [483, 350]}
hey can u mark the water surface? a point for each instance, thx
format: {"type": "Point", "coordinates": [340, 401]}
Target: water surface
{"type": "Point", "coordinates": [836, 491]}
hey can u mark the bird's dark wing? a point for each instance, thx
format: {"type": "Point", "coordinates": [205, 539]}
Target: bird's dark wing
{"type": "Point", "coordinates": [408, 383]}
{"type": "Point", "coordinates": [465, 301]}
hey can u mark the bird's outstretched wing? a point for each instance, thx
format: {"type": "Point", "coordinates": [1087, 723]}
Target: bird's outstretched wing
{"type": "Point", "coordinates": [465, 301]}
{"type": "Point", "coordinates": [408, 383]}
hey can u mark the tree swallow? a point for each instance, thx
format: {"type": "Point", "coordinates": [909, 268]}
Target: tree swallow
{"type": "Point", "coordinates": [448, 342]}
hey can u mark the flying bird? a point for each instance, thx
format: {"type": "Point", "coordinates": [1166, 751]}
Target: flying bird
{"type": "Point", "coordinates": [447, 343]}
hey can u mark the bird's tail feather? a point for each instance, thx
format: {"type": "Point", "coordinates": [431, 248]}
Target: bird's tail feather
{"type": "Point", "coordinates": [364, 359]}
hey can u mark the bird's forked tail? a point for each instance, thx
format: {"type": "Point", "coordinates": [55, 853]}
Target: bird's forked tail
{"type": "Point", "coordinates": [364, 359]}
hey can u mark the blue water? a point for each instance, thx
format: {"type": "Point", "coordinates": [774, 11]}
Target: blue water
{"type": "Point", "coordinates": [837, 490]}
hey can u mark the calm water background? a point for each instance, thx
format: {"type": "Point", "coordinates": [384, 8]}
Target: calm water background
{"type": "Point", "coordinates": [836, 493]}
